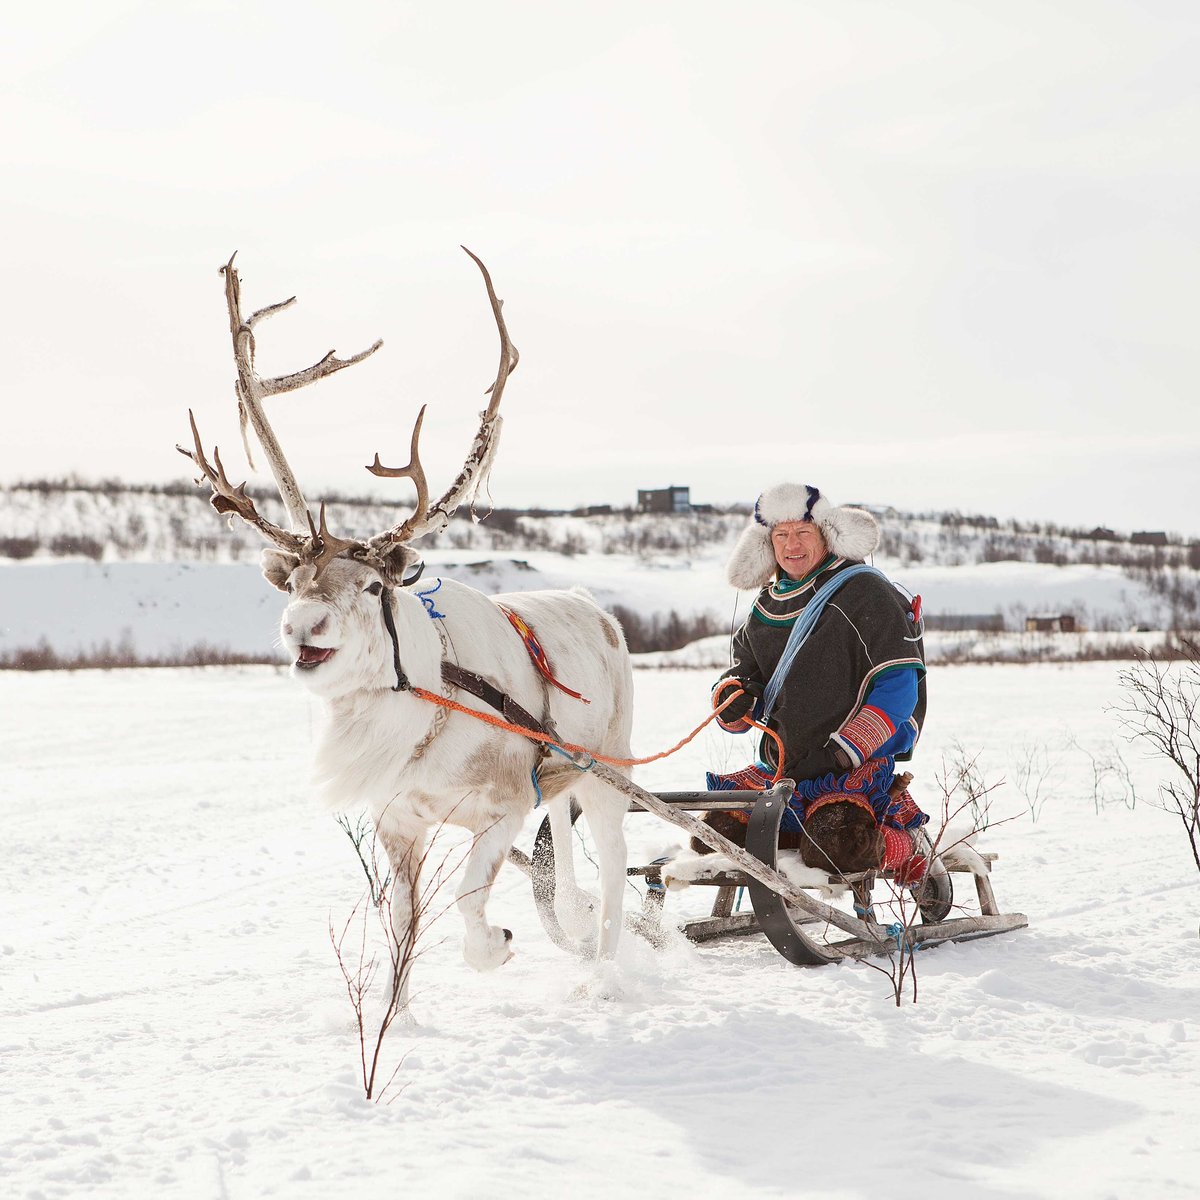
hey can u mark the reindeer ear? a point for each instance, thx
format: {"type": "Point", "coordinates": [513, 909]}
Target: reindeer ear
{"type": "Point", "coordinates": [277, 565]}
{"type": "Point", "coordinates": [399, 562]}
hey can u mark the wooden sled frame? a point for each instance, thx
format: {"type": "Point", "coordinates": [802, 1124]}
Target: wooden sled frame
{"type": "Point", "coordinates": [781, 910]}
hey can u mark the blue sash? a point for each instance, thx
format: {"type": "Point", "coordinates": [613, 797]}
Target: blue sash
{"type": "Point", "coordinates": [804, 626]}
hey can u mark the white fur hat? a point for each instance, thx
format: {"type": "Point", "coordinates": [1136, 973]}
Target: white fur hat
{"type": "Point", "coordinates": [848, 532]}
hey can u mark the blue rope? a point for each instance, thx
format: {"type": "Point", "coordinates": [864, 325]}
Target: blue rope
{"type": "Point", "coordinates": [804, 626]}
{"type": "Point", "coordinates": [658, 862]}
{"type": "Point", "coordinates": [896, 930]}
{"type": "Point", "coordinates": [536, 788]}
{"type": "Point", "coordinates": [426, 599]}
{"type": "Point", "coordinates": [573, 759]}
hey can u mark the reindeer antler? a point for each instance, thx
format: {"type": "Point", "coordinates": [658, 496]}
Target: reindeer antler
{"type": "Point", "coordinates": [229, 499]}
{"type": "Point", "coordinates": [413, 470]}
{"type": "Point", "coordinates": [322, 547]}
{"type": "Point", "coordinates": [317, 546]}
{"type": "Point", "coordinates": [428, 518]}
{"type": "Point", "coordinates": [251, 389]}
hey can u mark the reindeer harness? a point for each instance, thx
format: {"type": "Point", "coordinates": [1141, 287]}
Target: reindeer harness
{"type": "Point", "coordinates": [468, 681]}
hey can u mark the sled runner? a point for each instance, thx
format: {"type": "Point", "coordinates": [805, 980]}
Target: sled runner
{"type": "Point", "coordinates": [804, 929]}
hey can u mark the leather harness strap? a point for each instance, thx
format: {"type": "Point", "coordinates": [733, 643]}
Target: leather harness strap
{"type": "Point", "coordinates": [467, 681]}
{"type": "Point", "coordinates": [483, 689]}
{"type": "Point", "coordinates": [389, 623]}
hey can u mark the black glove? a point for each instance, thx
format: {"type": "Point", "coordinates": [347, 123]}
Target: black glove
{"type": "Point", "coordinates": [829, 760]}
{"type": "Point", "coordinates": [740, 707]}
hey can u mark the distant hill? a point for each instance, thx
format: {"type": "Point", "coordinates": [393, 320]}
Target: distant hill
{"type": "Point", "coordinates": [154, 571]}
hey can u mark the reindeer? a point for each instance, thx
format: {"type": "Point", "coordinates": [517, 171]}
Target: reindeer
{"type": "Point", "coordinates": [363, 640]}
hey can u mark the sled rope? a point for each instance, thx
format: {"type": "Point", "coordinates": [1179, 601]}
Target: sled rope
{"type": "Point", "coordinates": [490, 694]}
{"type": "Point", "coordinates": [572, 749]}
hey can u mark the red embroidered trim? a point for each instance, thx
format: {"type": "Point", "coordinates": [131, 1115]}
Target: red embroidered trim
{"type": "Point", "coordinates": [839, 798]}
{"type": "Point", "coordinates": [906, 808]}
{"type": "Point", "coordinates": [869, 729]}
{"type": "Point", "coordinates": [861, 778]}
{"type": "Point", "coordinates": [898, 848]}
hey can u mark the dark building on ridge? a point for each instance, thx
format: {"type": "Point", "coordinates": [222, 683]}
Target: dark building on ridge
{"type": "Point", "coordinates": [665, 500]}
{"type": "Point", "coordinates": [1051, 623]}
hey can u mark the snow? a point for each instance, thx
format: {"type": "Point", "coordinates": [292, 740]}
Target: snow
{"type": "Point", "coordinates": [165, 574]}
{"type": "Point", "coordinates": [172, 1021]}
{"type": "Point", "coordinates": [968, 645]}
{"type": "Point", "coordinates": [150, 608]}
{"type": "Point", "coordinates": [167, 608]}
{"type": "Point", "coordinates": [1034, 587]}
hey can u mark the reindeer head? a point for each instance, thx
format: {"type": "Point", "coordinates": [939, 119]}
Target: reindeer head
{"type": "Point", "coordinates": [332, 626]}
{"type": "Point", "coordinates": [339, 587]}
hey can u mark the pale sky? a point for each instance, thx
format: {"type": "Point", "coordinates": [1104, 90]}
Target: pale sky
{"type": "Point", "coordinates": [935, 253]}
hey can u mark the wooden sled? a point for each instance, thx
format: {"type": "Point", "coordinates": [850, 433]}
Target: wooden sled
{"type": "Point", "coordinates": [802, 928]}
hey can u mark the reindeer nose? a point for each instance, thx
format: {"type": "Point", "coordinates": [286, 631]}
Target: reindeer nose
{"type": "Point", "coordinates": [298, 622]}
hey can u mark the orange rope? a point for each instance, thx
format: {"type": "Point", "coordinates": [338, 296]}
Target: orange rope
{"type": "Point", "coordinates": [500, 723]}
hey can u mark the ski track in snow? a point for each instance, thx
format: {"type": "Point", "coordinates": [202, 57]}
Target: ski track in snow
{"type": "Point", "coordinates": [172, 1020]}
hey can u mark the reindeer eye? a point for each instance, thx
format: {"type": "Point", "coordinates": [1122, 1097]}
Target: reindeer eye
{"type": "Point", "coordinates": [374, 588]}
{"type": "Point", "coordinates": [287, 587]}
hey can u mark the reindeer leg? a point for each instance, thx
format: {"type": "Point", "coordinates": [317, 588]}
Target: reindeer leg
{"type": "Point", "coordinates": [485, 946]}
{"type": "Point", "coordinates": [573, 907]}
{"type": "Point", "coordinates": [405, 850]}
{"type": "Point", "coordinates": [605, 811]}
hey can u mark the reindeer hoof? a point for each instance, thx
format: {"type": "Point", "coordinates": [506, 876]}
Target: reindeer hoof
{"type": "Point", "coordinates": [490, 951]}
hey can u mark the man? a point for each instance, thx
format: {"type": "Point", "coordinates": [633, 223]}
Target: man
{"type": "Point", "coordinates": [845, 697]}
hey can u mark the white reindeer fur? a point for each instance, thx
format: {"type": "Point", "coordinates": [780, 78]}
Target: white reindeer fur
{"type": "Point", "coordinates": [469, 774]}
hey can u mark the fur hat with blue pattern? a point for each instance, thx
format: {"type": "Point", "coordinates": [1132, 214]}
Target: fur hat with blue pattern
{"type": "Point", "coordinates": [848, 532]}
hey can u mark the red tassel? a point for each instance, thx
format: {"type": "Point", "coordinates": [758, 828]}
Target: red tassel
{"type": "Point", "coordinates": [537, 654]}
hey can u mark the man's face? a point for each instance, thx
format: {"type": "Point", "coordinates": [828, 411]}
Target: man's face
{"type": "Point", "coordinates": [798, 547]}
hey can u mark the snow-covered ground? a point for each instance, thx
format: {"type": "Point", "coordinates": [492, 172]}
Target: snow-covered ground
{"type": "Point", "coordinates": [172, 1020]}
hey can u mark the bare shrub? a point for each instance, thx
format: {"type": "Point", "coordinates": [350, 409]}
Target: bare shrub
{"type": "Point", "coordinates": [1112, 779]}
{"type": "Point", "coordinates": [360, 967]}
{"type": "Point", "coordinates": [107, 656]}
{"type": "Point", "coordinates": [1035, 774]}
{"type": "Point", "coordinates": [1159, 711]}
{"type": "Point", "coordinates": [658, 632]}
{"type": "Point", "coordinates": [19, 547]}
{"type": "Point", "coordinates": [66, 545]}
{"type": "Point", "coordinates": [42, 657]}
{"type": "Point", "coordinates": [962, 781]}
{"type": "Point", "coordinates": [965, 810]}
{"type": "Point", "coordinates": [364, 963]}
{"type": "Point", "coordinates": [364, 839]}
